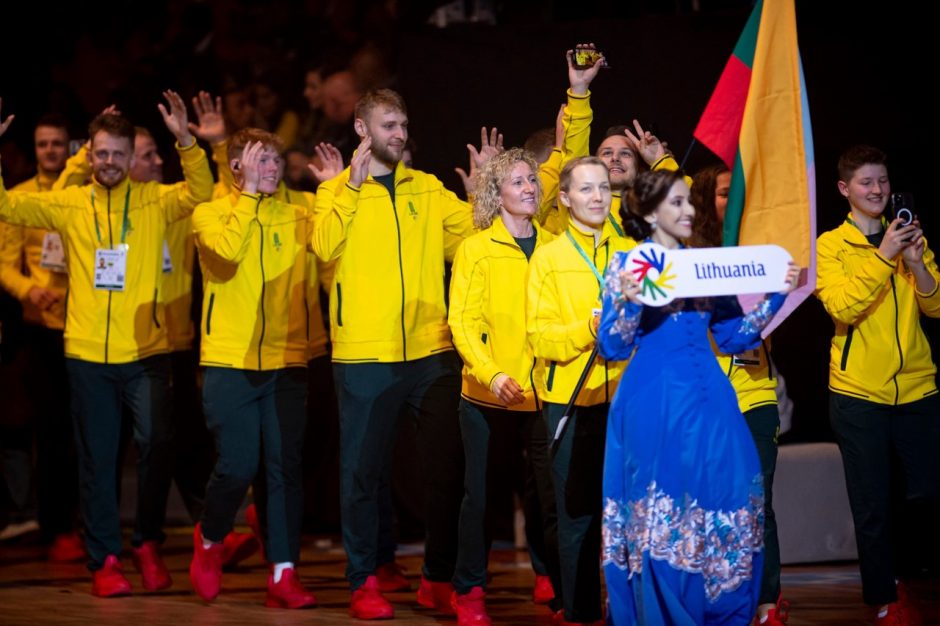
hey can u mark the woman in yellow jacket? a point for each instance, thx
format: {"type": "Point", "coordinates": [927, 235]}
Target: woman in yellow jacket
{"type": "Point", "coordinates": [563, 300]}
{"type": "Point", "coordinates": [487, 319]}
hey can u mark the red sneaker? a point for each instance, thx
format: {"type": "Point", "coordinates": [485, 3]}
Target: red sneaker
{"type": "Point", "coordinates": [205, 572]}
{"type": "Point", "coordinates": [432, 595]}
{"type": "Point", "coordinates": [543, 592]}
{"type": "Point", "coordinates": [237, 547]}
{"type": "Point", "coordinates": [367, 602]}
{"type": "Point", "coordinates": [288, 593]}
{"type": "Point", "coordinates": [150, 564]}
{"type": "Point", "coordinates": [109, 581]}
{"type": "Point", "coordinates": [776, 616]}
{"type": "Point", "coordinates": [251, 516]}
{"type": "Point", "coordinates": [896, 614]}
{"type": "Point", "coordinates": [66, 548]}
{"type": "Point", "coordinates": [391, 577]}
{"type": "Point", "coordinates": [910, 609]}
{"type": "Point", "coordinates": [471, 608]}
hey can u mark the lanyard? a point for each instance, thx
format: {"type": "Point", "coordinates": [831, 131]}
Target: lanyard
{"type": "Point", "coordinates": [590, 263]}
{"type": "Point", "coordinates": [613, 222]}
{"type": "Point", "coordinates": [124, 222]}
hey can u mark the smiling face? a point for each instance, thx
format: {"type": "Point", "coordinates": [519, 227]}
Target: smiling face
{"type": "Point", "coordinates": [867, 191]}
{"type": "Point", "coordinates": [388, 128]}
{"type": "Point", "coordinates": [620, 159]}
{"type": "Point", "coordinates": [517, 192]}
{"type": "Point", "coordinates": [111, 158]}
{"type": "Point", "coordinates": [673, 216]}
{"type": "Point", "coordinates": [588, 196]}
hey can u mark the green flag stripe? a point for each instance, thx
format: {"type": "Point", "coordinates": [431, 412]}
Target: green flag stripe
{"type": "Point", "coordinates": [744, 49]}
{"type": "Point", "coordinates": [735, 207]}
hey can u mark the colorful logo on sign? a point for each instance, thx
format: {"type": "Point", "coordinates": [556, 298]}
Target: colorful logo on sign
{"type": "Point", "coordinates": [652, 272]}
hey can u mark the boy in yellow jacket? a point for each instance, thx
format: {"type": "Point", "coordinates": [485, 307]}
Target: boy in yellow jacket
{"type": "Point", "coordinates": [115, 341]}
{"type": "Point", "coordinates": [253, 254]}
{"type": "Point", "coordinates": [875, 277]}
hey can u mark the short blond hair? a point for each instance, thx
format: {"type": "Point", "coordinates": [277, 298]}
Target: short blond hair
{"type": "Point", "coordinates": [564, 178]}
{"type": "Point", "coordinates": [490, 178]}
{"type": "Point", "coordinates": [375, 98]}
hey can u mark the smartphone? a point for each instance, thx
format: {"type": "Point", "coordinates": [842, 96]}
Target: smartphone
{"type": "Point", "coordinates": [902, 207]}
{"type": "Point", "coordinates": [586, 57]}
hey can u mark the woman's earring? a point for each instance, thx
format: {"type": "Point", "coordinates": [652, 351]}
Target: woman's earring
{"type": "Point", "coordinates": [652, 225]}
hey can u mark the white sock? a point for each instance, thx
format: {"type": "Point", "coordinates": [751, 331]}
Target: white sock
{"type": "Point", "coordinates": [279, 570]}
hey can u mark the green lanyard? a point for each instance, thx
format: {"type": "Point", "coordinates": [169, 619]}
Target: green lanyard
{"type": "Point", "coordinates": [124, 222]}
{"type": "Point", "coordinates": [590, 263]}
{"type": "Point", "coordinates": [613, 222]}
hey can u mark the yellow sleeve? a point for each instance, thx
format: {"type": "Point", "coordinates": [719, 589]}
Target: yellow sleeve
{"type": "Point", "coordinates": [847, 298]}
{"type": "Point", "coordinates": [39, 209]}
{"type": "Point", "coordinates": [668, 163]}
{"type": "Point", "coordinates": [577, 120]}
{"type": "Point", "coordinates": [226, 233]}
{"type": "Point", "coordinates": [550, 336]}
{"type": "Point", "coordinates": [467, 288]}
{"type": "Point", "coordinates": [929, 303]}
{"type": "Point", "coordinates": [12, 240]}
{"type": "Point", "coordinates": [220, 158]}
{"type": "Point", "coordinates": [457, 217]}
{"type": "Point", "coordinates": [549, 172]}
{"type": "Point", "coordinates": [180, 199]}
{"type": "Point", "coordinates": [336, 205]}
{"type": "Point", "coordinates": [77, 170]}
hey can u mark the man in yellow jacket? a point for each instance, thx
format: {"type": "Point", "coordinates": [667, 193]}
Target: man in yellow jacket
{"type": "Point", "coordinates": [253, 254]}
{"type": "Point", "coordinates": [115, 341]}
{"type": "Point", "coordinates": [562, 309]}
{"type": "Point", "coordinates": [385, 225]}
{"type": "Point", "coordinates": [875, 278]}
{"type": "Point", "coordinates": [32, 269]}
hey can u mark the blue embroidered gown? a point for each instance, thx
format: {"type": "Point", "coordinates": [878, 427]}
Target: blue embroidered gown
{"type": "Point", "coordinates": [683, 498]}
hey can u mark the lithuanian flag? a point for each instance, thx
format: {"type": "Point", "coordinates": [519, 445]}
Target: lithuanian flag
{"type": "Point", "coordinates": [757, 121]}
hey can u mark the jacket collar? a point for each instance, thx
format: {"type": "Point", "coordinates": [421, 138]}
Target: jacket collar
{"type": "Point", "coordinates": [499, 233]}
{"type": "Point", "coordinates": [117, 191]}
{"type": "Point", "coordinates": [586, 239]}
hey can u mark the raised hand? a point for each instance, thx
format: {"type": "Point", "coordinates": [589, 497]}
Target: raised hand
{"type": "Point", "coordinates": [629, 288]}
{"type": "Point", "coordinates": [331, 162]}
{"type": "Point", "coordinates": [211, 126]}
{"type": "Point", "coordinates": [359, 165]}
{"type": "Point", "coordinates": [4, 123]}
{"type": "Point", "coordinates": [491, 144]}
{"type": "Point", "coordinates": [897, 238]}
{"type": "Point", "coordinates": [248, 165]}
{"type": "Point", "coordinates": [646, 144]}
{"type": "Point", "coordinates": [580, 79]}
{"type": "Point", "coordinates": [176, 118]}
{"type": "Point", "coordinates": [560, 126]}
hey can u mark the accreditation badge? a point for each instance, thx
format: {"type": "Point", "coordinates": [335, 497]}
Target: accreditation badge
{"type": "Point", "coordinates": [53, 254]}
{"type": "Point", "coordinates": [167, 261]}
{"type": "Point", "coordinates": [110, 268]}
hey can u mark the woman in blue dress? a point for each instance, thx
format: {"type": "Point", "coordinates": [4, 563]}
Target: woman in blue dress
{"type": "Point", "coordinates": [683, 501]}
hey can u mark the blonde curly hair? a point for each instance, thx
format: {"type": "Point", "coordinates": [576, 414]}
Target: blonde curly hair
{"type": "Point", "coordinates": [490, 178]}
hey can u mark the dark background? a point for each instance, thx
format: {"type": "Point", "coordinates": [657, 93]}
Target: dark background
{"type": "Point", "coordinates": [869, 68]}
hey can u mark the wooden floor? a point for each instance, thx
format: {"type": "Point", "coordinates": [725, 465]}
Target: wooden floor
{"type": "Point", "coordinates": [34, 592]}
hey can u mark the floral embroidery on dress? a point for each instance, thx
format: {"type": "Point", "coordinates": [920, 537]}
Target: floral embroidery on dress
{"type": "Point", "coordinates": [757, 319]}
{"type": "Point", "coordinates": [720, 545]}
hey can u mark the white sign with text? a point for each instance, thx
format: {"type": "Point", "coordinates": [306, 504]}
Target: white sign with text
{"type": "Point", "coordinates": [665, 275]}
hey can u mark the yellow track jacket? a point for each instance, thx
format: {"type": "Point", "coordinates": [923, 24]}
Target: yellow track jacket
{"type": "Point", "coordinates": [387, 297]}
{"type": "Point", "coordinates": [114, 326]}
{"type": "Point", "coordinates": [487, 313]}
{"type": "Point", "coordinates": [754, 378]}
{"type": "Point", "coordinates": [562, 293]}
{"type": "Point", "coordinates": [253, 254]}
{"type": "Point", "coordinates": [879, 352]}
{"type": "Point", "coordinates": [20, 254]}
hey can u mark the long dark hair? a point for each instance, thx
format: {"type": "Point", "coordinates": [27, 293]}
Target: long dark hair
{"type": "Point", "coordinates": [706, 229]}
{"type": "Point", "coordinates": [649, 190]}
